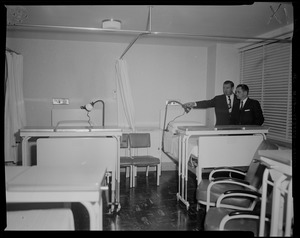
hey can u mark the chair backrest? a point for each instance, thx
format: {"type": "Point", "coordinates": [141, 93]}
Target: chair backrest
{"type": "Point", "coordinates": [124, 141]}
{"type": "Point", "coordinates": [139, 140]}
{"type": "Point", "coordinates": [255, 171]}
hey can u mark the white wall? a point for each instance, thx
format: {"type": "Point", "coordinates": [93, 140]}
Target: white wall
{"type": "Point", "coordinates": [222, 65]}
{"type": "Point", "coordinates": [227, 66]}
{"type": "Point", "coordinates": [80, 71]}
{"type": "Point", "coordinates": [162, 72]}
{"type": "Point", "coordinates": [211, 80]}
{"type": "Point", "coordinates": [84, 70]}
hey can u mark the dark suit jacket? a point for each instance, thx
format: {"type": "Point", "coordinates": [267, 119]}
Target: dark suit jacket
{"type": "Point", "coordinates": [251, 114]}
{"type": "Point", "coordinates": [223, 117]}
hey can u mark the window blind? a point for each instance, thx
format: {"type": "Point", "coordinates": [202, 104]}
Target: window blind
{"type": "Point", "coordinates": [267, 70]}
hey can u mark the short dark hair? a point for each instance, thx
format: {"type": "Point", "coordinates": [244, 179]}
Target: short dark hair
{"type": "Point", "coordinates": [244, 87]}
{"type": "Point", "coordinates": [229, 82]}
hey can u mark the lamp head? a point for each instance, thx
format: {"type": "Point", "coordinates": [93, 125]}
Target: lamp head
{"type": "Point", "coordinates": [88, 106]}
{"type": "Point", "coordinates": [186, 109]}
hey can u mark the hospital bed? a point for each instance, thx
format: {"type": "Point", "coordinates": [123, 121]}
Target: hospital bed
{"type": "Point", "coordinates": [195, 147]}
{"type": "Point", "coordinates": [171, 143]}
{"type": "Point", "coordinates": [194, 131]}
{"type": "Point", "coordinates": [73, 140]}
{"type": "Point", "coordinates": [170, 119]}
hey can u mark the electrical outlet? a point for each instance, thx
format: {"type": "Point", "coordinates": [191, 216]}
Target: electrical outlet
{"type": "Point", "coordinates": [60, 101]}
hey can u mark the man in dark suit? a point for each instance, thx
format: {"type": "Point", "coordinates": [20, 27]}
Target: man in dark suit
{"type": "Point", "coordinates": [250, 112]}
{"type": "Point", "coordinates": [226, 105]}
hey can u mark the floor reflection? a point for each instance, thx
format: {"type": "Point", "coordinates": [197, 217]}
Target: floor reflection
{"type": "Point", "coordinates": [152, 207]}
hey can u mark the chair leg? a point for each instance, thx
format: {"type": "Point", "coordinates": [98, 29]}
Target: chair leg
{"type": "Point", "coordinates": [147, 171]}
{"type": "Point", "coordinates": [131, 176]}
{"type": "Point", "coordinates": [157, 175]}
{"type": "Point", "coordinates": [159, 169]}
{"type": "Point", "coordinates": [159, 166]}
{"type": "Point", "coordinates": [133, 170]}
{"type": "Point", "coordinates": [127, 172]}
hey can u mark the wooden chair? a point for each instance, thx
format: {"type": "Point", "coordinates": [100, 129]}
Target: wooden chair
{"type": "Point", "coordinates": [126, 160]}
{"type": "Point", "coordinates": [141, 142]}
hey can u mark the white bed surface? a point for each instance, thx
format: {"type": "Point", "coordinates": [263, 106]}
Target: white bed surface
{"type": "Point", "coordinates": [176, 111]}
{"type": "Point", "coordinates": [173, 125]}
{"type": "Point", "coordinates": [247, 144]}
{"type": "Point", "coordinates": [171, 139]}
{"type": "Point", "coordinates": [171, 145]}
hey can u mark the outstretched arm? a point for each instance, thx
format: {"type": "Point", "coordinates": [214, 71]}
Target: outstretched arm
{"type": "Point", "coordinates": [201, 104]}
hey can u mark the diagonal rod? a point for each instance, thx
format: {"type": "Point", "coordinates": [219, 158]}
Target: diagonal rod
{"type": "Point", "coordinates": [131, 44]}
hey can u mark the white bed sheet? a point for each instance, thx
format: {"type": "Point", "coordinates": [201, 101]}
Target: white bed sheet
{"type": "Point", "coordinates": [171, 139]}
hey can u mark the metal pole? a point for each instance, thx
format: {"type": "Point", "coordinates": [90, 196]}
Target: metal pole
{"type": "Point", "coordinates": [77, 28]}
{"type": "Point", "coordinates": [153, 33]}
{"type": "Point", "coordinates": [131, 44]}
{"type": "Point", "coordinates": [103, 107]}
{"type": "Point", "coordinates": [149, 32]}
{"type": "Point", "coordinates": [219, 37]}
{"type": "Point", "coordinates": [150, 19]}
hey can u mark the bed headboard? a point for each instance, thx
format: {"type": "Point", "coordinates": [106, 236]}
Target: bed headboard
{"type": "Point", "coordinates": [58, 115]}
{"type": "Point", "coordinates": [195, 115]}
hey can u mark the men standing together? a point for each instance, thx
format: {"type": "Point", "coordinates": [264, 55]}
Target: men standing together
{"type": "Point", "coordinates": [233, 109]}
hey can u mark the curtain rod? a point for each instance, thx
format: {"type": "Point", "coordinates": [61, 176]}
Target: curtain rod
{"type": "Point", "coordinates": [76, 28]}
{"type": "Point", "coordinates": [220, 37]}
{"type": "Point", "coordinates": [152, 33]}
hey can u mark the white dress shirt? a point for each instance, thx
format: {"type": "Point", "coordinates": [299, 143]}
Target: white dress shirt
{"type": "Point", "coordinates": [244, 101]}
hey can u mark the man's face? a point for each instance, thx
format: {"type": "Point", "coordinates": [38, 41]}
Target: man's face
{"type": "Point", "coordinates": [227, 89]}
{"type": "Point", "coordinates": [240, 94]}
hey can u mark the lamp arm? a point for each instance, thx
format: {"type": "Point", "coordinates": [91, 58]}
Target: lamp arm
{"type": "Point", "coordinates": [103, 106]}
{"type": "Point", "coordinates": [186, 109]}
{"type": "Point", "coordinates": [166, 111]}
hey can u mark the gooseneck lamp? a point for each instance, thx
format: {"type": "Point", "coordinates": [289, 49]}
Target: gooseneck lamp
{"type": "Point", "coordinates": [89, 107]}
{"type": "Point", "coordinates": [186, 109]}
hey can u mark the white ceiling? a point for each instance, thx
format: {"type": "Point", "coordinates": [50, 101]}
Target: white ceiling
{"type": "Point", "coordinates": [227, 20]}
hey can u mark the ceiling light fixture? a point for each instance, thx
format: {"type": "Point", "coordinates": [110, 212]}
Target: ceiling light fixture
{"type": "Point", "coordinates": [111, 24]}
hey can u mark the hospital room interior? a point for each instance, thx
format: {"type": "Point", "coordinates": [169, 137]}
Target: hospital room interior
{"type": "Point", "coordinates": [110, 116]}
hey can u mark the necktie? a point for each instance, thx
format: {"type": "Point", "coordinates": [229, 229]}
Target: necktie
{"type": "Point", "coordinates": [229, 103]}
{"type": "Point", "coordinates": [241, 105]}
